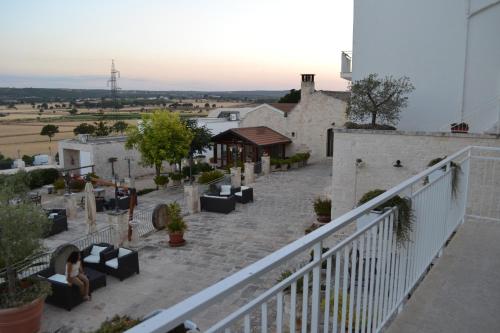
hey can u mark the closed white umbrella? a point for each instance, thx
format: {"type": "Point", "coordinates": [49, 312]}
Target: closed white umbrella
{"type": "Point", "coordinates": [90, 210]}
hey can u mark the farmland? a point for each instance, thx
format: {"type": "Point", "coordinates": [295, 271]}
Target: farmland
{"type": "Point", "coordinates": [20, 124]}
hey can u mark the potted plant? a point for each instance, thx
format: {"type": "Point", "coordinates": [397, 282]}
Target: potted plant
{"type": "Point", "coordinates": [117, 324]}
{"type": "Point", "coordinates": [295, 161]}
{"type": "Point", "coordinates": [284, 163]}
{"type": "Point", "coordinates": [459, 127]}
{"type": "Point", "coordinates": [323, 209]}
{"type": "Point", "coordinates": [404, 223]}
{"type": "Point", "coordinates": [77, 184]}
{"type": "Point", "coordinates": [176, 227]}
{"type": "Point", "coordinates": [59, 185]}
{"type": "Point", "coordinates": [22, 225]}
{"type": "Point", "coordinates": [275, 164]}
{"type": "Point", "coordinates": [455, 174]}
{"type": "Point", "coordinates": [161, 181]}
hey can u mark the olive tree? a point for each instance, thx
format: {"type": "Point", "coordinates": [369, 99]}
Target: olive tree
{"type": "Point", "coordinates": [379, 99]}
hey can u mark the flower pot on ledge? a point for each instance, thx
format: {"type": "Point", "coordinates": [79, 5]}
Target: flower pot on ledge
{"type": "Point", "coordinates": [459, 128]}
{"type": "Point", "coordinates": [324, 218]}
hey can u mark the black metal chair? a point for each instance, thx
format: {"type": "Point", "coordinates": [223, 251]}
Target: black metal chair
{"type": "Point", "coordinates": [244, 194]}
{"type": "Point", "coordinates": [122, 263]}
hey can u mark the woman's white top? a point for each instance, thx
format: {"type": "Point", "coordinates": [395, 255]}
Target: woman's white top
{"type": "Point", "coordinates": [75, 269]}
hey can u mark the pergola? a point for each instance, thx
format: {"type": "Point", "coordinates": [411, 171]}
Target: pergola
{"type": "Point", "coordinates": [248, 144]}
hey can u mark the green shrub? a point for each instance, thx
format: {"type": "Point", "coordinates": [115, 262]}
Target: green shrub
{"type": "Point", "coordinates": [161, 180]}
{"type": "Point", "coordinates": [59, 184]}
{"type": "Point", "coordinates": [76, 184]}
{"type": "Point", "coordinates": [145, 191]}
{"type": "Point", "coordinates": [323, 206]}
{"type": "Point", "coordinates": [197, 168]}
{"type": "Point", "coordinates": [176, 176]}
{"type": "Point", "coordinates": [40, 177]}
{"type": "Point", "coordinates": [117, 324]}
{"type": "Point", "coordinates": [28, 160]}
{"type": "Point", "coordinates": [379, 127]}
{"type": "Point", "coordinates": [209, 176]}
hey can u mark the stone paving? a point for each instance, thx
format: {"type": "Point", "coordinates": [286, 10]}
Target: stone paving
{"type": "Point", "coordinates": [217, 246]}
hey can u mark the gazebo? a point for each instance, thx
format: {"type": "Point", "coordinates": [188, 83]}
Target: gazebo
{"type": "Point", "coordinates": [248, 144]}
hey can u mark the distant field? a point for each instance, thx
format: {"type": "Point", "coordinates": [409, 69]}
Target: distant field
{"type": "Point", "coordinates": [20, 130]}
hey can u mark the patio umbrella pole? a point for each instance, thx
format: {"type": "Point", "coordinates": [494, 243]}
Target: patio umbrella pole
{"type": "Point", "coordinates": [133, 200]}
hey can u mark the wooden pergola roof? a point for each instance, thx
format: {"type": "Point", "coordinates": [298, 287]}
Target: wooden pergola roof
{"type": "Point", "coordinates": [260, 136]}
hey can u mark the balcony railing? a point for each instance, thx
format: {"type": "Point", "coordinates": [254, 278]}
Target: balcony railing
{"type": "Point", "coordinates": [360, 282]}
{"type": "Point", "coordinates": [346, 65]}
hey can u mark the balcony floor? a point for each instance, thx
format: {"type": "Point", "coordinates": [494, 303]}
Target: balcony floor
{"type": "Point", "coordinates": [461, 293]}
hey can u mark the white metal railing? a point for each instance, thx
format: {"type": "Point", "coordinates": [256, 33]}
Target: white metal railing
{"type": "Point", "coordinates": [357, 285]}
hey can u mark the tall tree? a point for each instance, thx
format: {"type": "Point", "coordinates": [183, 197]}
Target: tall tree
{"type": "Point", "coordinates": [161, 136]}
{"type": "Point", "coordinates": [102, 129]}
{"type": "Point", "coordinates": [202, 137]}
{"type": "Point", "coordinates": [292, 97]}
{"type": "Point", "coordinates": [84, 128]}
{"type": "Point", "coordinates": [119, 127]}
{"type": "Point", "coordinates": [374, 98]}
{"type": "Point", "coordinates": [49, 130]}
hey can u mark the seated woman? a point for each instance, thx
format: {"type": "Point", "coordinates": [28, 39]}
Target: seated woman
{"type": "Point", "coordinates": [74, 274]}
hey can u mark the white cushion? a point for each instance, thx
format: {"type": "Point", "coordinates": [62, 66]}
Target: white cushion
{"type": "Point", "coordinates": [113, 263]}
{"type": "Point", "coordinates": [58, 278]}
{"type": "Point", "coordinates": [238, 194]}
{"type": "Point", "coordinates": [93, 259]}
{"type": "Point", "coordinates": [213, 196]}
{"type": "Point", "coordinates": [225, 189]}
{"type": "Point", "coordinates": [52, 215]}
{"type": "Point", "coordinates": [96, 250]}
{"type": "Point", "coordinates": [122, 252]}
{"type": "Point", "coordinates": [244, 188]}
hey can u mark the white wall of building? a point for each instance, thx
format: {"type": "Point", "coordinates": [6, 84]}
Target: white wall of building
{"type": "Point", "coordinates": [379, 151]}
{"type": "Point", "coordinates": [433, 42]}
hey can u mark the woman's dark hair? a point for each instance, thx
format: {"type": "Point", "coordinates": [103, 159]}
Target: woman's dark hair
{"type": "Point", "coordinates": [73, 257]}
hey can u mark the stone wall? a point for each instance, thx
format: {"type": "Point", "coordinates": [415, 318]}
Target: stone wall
{"type": "Point", "coordinates": [379, 151]}
{"type": "Point", "coordinates": [306, 125]}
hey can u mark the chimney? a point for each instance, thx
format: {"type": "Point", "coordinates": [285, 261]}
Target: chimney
{"type": "Point", "coordinates": [307, 85]}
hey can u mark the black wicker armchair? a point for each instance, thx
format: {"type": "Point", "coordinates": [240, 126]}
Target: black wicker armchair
{"type": "Point", "coordinates": [244, 194]}
{"type": "Point", "coordinates": [59, 221]}
{"type": "Point", "coordinates": [218, 204]}
{"type": "Point", "coordinates": [122, 263]}
{"type": "Point", "coordinates": [64, 295]}
{"type": "Point", "coordinates": [95, 255]}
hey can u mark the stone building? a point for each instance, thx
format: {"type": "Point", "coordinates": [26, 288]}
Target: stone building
{"type": "Point", "coordinates": [309, 123]}
{"type": "Point", "coordinates": [97, 151]}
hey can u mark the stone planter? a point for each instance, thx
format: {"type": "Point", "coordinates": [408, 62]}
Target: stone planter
{"type": "Point", "coordinates": [24, 319]}
{"type": "Point", "coordinates": [176, 182]}
{"type": "Point", "coordinates": [284, 167]}
{"type": "Point", "coordinates": [295, 165]}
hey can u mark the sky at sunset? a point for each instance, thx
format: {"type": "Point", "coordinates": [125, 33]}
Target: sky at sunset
{"type": "Point", "coordinates": [174, 45]}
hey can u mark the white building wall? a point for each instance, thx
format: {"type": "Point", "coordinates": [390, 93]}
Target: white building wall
{"type": "Point", "coordinates": [379, 150]}
{"type": "Point", "coordinates": [426, 41]}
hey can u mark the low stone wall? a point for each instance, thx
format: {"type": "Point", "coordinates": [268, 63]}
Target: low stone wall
{"type": "Point", "coordinates": [379, 151]}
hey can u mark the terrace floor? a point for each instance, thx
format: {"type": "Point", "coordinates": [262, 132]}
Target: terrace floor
{"type": "Point", "coordinates": [461, 292]}
{"type": "Point", "coordinates": [217, 246]}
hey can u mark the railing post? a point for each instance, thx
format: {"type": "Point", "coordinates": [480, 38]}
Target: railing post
{"type": "Point", "coordinates": [316, 289]}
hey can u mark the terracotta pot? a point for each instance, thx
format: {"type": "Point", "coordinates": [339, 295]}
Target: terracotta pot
{"type": "Point", "coordinates": [324, 218]}
{"type": "Point", "coordinates": [176, 239]}
{"type": "Point", "coordinates": [24, 319]}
